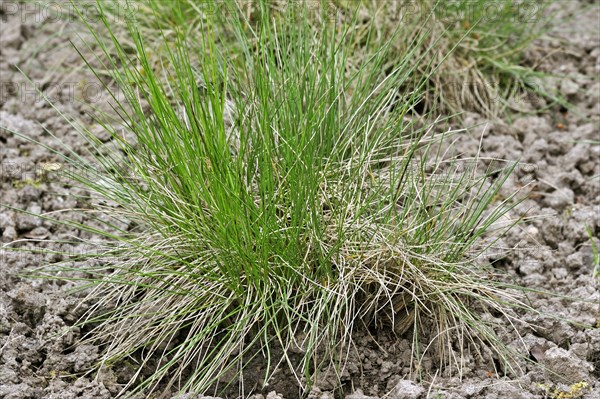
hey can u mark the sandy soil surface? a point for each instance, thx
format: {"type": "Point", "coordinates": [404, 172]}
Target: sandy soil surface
{"type": "Point", "coordinates": [553, 252]}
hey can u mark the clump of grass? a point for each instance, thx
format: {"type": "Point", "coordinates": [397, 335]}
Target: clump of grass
{"type": "Point", "coordinates": [285, 204]}
{"type": "Point", "coordinates": [475, 46]}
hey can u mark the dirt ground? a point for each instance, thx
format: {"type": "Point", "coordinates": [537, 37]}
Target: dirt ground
{"type": "Point", "coordinates": [558, 149]}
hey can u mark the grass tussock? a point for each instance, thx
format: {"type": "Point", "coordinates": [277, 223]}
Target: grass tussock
{"type": "Point", "coordinates": [282, 197]}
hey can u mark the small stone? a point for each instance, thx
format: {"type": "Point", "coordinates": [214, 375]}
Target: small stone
{"type": "Point", "coordinates": [531, 266]}
{"type": "Point", "coordinates": [559, 199]}
{"type": "Point", "coordinates": [470, 389]}
{"type": "Point", "coordinates": [7, 219]}
{"type": "Point", "coordinates": [9, 234]}
{"type": "Point", "coordinates": [569, 87]}
{"type": "Point", "coordinates": [27, 222]}
{"type": "Point", "coordinates": [564, 363]}
{"type": "Point", "coordinates": [406, 389]}
{"type": "Point", "coordinates": [560, 273]}
{"type": "Point", "coordinates": [532, 231]}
